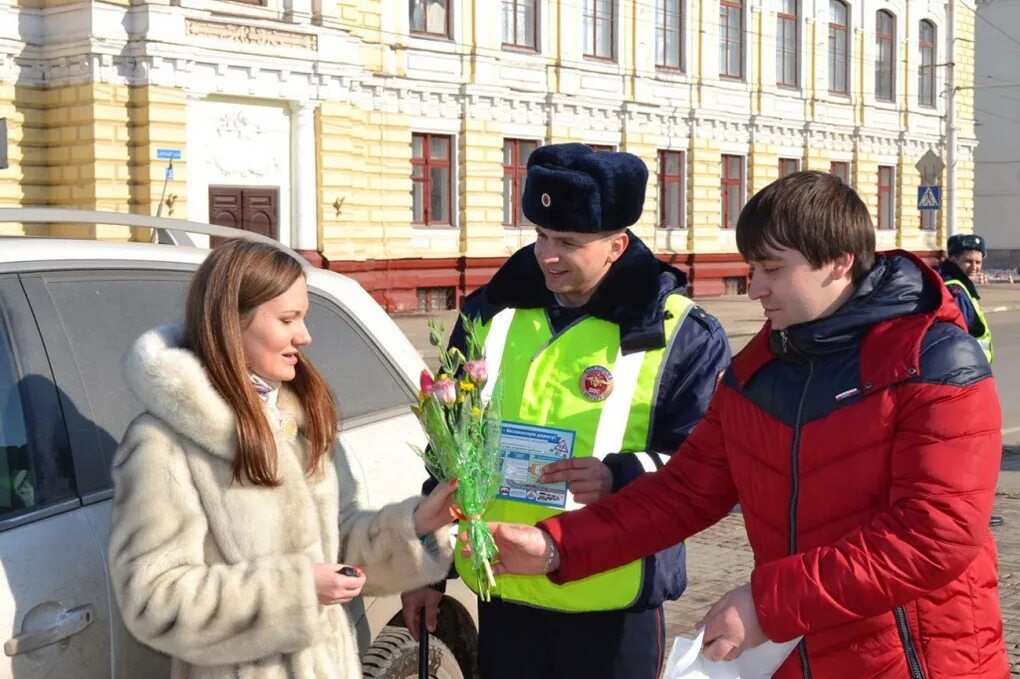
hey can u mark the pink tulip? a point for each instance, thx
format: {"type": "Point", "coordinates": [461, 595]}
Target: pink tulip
{"type": "Point", "coordinates": [477, 371]}
{"type": "Point", "coordinates": [425, 381]}
{"type": "Point", "coordinates": [444, 391]}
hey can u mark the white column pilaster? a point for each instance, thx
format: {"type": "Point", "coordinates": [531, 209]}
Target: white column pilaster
{"type": "Point", "coordinates": [305, 223]}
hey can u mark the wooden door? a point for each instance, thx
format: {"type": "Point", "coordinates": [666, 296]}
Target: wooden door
{"type": "Point", "coordinates": [255, 209]}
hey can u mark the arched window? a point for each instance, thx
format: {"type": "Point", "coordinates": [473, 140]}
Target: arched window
{"type": "Point", "coordinates": [926, 71]}
{"type": "Point", "coordinates": [787, 44]}
{"type": "Point", "coordinates": [839, 47]}
{"type": "Point", "coordinates": [669, 34]}
{"type": "Point", "coordinates": [885, 62]}
{"type": "Point", "coordinates": [731, 39]}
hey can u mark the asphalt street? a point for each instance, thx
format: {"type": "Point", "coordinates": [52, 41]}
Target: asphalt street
{"type": "Point", "coordinates": [1006, 335]}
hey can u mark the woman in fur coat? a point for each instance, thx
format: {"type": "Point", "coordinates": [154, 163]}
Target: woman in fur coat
{"type": "Point", "coordinates": [230, 522]}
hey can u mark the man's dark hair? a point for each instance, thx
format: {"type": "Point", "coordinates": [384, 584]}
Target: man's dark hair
{"type": "Point", "coordinates": [812, 212]}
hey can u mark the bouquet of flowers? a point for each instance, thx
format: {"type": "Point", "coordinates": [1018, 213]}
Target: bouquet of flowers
{"type": "Point", "coordinates": [463, 431]}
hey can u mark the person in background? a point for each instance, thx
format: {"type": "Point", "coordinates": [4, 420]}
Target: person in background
{"type": "Point", "coordinates": [960, 271]}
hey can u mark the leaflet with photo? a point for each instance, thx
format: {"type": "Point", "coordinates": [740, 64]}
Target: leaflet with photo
{"type": "Point", "coordinates": [526, 450]}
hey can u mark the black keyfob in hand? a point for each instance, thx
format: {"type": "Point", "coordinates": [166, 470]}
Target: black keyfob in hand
{"type": "Point", "coordinates": [348, 571]}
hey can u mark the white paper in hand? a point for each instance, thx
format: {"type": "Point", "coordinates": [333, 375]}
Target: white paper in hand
{"type": "Point", "coordinates": [686, 662]}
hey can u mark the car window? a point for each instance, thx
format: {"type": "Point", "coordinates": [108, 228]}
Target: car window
{"type": "Point", "coordinates": [362, 377]}
{"type": "Point", "coordinates": [17, 477]}
{"type": "Point", "coordinates": [103, 313]}
{"type": "Point", "coordinates": [27, 479]}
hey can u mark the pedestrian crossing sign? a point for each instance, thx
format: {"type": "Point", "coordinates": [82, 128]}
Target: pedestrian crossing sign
{"type": "Point", "coordinates": [929, 197]}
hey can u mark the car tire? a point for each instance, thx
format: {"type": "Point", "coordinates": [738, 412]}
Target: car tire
{"type": "Point", "coordinates": [394, 655]}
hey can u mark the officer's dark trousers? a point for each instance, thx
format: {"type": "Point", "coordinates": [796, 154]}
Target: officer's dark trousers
{"type": "Point", "coordinates": [520, 642]}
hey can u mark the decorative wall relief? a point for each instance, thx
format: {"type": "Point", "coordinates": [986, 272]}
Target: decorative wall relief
{"type": "Point", "coordinates": [245, 149]}
{"type": "Point", "coordinates": [250, 35]}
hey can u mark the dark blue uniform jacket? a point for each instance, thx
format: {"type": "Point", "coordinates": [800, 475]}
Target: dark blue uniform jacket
{"type": "Point", "coordinates": [950, 271]}
{"type": "Point", "coordinates": [632, 297]}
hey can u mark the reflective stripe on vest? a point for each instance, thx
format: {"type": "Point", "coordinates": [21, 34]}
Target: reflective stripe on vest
{"type": "Point", "coordinates": [541, 376]}
{"type": "Point", "coordinates": [985, 338]}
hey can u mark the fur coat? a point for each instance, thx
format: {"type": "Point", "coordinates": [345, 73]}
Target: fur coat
{"type": "Point", "coordinates": [217, 574]}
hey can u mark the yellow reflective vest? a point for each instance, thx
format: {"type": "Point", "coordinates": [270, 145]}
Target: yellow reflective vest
{"type": "Point", "coordinates": [984, 336]}
{"type": "Point", "coordinates": [577, 381]}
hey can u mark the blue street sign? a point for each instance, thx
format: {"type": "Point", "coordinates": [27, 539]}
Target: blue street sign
{"type": "Point", "coordinates": [168, 154]}
{"type": "Point", "coordinates": [169, 173]}
{"type": "Point", "coordinates": [929, 197]}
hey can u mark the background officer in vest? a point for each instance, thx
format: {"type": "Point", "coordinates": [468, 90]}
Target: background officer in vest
{"type": "Point", "coordinates": [598, 345]}
{"type": "Point", "coordinates": [966, 254]}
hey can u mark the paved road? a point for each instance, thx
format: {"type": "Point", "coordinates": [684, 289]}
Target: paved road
{"type": "Point", "coordinates": [1006, 335]}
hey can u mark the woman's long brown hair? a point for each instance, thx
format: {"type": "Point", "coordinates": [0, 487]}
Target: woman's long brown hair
{"type": "Point", "coordinates": [234, 279]}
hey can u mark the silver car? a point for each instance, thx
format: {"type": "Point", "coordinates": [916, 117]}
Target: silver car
{"type": "Point", "coordinates": [69, 310]}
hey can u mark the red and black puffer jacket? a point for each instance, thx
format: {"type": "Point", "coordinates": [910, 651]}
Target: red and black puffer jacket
{"type": "Point", "coordinates": [863, 449]}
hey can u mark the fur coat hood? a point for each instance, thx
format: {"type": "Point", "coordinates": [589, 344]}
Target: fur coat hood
{"type": "Point", "coordinates": [218, 573]}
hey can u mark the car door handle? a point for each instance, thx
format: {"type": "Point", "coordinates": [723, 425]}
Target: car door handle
{"type": "Point", "coordinates": [70, 623]}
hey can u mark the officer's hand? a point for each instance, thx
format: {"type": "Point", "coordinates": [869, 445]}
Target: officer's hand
{"type": "Point", "coordinates": [414, 602]}
{"type": "Point", "coordinates": [588, 478]}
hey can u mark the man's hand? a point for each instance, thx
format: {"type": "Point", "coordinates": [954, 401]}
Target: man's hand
{"type": "Point", "coordinates": [414, 602]}
{"type": "Point", "coordinates": [523, 550]}
{"type": "Point", "coordinates": [588, 478]}
{"type": "Point", "coordinates": [731, 626]}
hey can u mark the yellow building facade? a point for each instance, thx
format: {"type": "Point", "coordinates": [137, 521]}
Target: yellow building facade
{"type": "Point", "coordinates": [387, 139]}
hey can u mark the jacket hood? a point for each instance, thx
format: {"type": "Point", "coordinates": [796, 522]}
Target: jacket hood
{"type": "Point", "coordinates": [901, 294]}
{"type": "Point", "coordinates": [629, 296]}
{"type": "Point", "coordinates": [174, 386]}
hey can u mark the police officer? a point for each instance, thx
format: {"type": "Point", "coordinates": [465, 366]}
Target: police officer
{"type": "Point", "coordinates": [606, 368]}
{"type": "Point", "coordinates": [965, 256]}
{"type": "Point", "coordinates": [966, 253]}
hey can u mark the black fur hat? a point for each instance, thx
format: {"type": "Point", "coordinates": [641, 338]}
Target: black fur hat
{"type": "Point", "coordinates": [570, 187]}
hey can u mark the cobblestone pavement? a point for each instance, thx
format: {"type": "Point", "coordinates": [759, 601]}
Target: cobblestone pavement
{"type": "Point", "coordinates": [719, 559]}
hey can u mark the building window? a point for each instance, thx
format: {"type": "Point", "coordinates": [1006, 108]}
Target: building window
{"type": "Point", "coordinates": [430, 179]}
{"type": "Point", "coordinates": [602, 148]}
{"type": "Point", "coordinates": [841, 169]}
{"type": "Point", "coordinates": [731, 38]}
{"type": "Point", "coordinates": [671, 190]}
{"type": "Point", "coordinates": [839, 47]}
{"type": "Point", "coordinates": [431, 17]}
{"type": "Point", "coordinates": [787, 45]}
{"type": "Point", "coordinates": [885, 64]}
{"type": "Point", "coordinates": [926, 72]}
{"type": "Point", "coordinates": [886, 197]}
{"type": "Point", "coordinates": [436, 299]}
{"type": "Point", "coordinates": [520, 24]}
{"type": "Point", "coordinates": [515, 170]}
{"type": "Point", "coordinates": [788, 166]}
{"type": "Point", "coordinates": [669, 26]}
{"type": "Point", "coordinates": [732, 190]}
{"type": "Point", "coordinates": [599, 29]}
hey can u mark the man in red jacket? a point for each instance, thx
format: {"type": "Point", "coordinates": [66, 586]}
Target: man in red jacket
{"type": "Point", "coordinates": [860, 433]}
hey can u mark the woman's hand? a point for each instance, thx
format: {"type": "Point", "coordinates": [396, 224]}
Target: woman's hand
{"type": "Point", "coordinates": [436, 510]}
{"type": "Point", "coordinates": [332, 588]}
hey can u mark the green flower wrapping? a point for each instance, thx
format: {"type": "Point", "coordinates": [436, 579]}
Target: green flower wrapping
{"type": "Point", "coordinates": [463, 431]}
